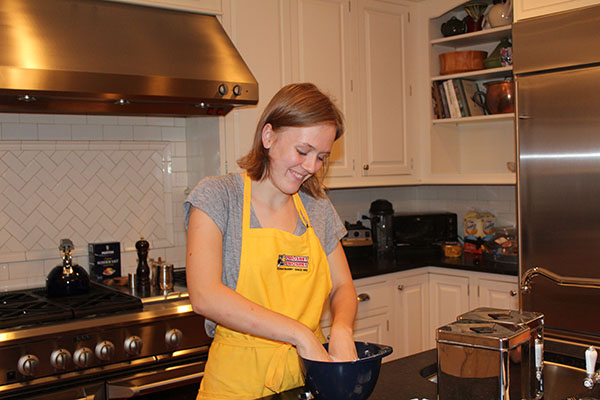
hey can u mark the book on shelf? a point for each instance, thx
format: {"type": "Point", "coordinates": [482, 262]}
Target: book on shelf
{"type": "Point", "coordinates": [452, 99]}
{"type": "Point", "coordinates": [438, 108]}
{"type": "Point", "coordinates": [460, 95]}
{"type": "Point", "coordinates": [445, 108]}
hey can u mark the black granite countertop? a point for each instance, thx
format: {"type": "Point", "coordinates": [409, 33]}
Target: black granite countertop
{"type": "Point", "coordinates": [364, 264]}
{"type": "Point", "coordinates": [398, 380]}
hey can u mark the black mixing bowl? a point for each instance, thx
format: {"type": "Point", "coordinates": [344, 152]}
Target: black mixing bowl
{"type": "Point", "coordinates": [349, 380]}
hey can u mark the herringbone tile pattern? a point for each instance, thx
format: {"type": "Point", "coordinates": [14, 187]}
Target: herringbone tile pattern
{"type": "Point", "coordinates": [88, 192]}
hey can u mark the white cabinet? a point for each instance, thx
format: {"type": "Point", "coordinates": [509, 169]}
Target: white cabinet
{"type": "Point", "coordinates": [356, 51]}
{"type": "Point", "coordinates": [404, 309]}
{"type": "Point", "coordinates": [322, 51]}
{"type": "Point", "coordinates": [472, 149]}
{"type": "Point", "coordinates": [411, 323]}
{"type": "Point", "coordinates": [258, 30]}
{"type": "Point", "coordinates": [534, 8]}
{"type": "Point", "coordinates": [449, 294]}
{"type": "Point", "coordinates": [372, 322]}
{"type": "Point", "coordinates": [495, 291]}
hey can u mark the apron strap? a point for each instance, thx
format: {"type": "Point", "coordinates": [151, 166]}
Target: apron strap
{"type": "Point", "coordinates": [276, 368]}
{"type": "Point", "coordinates": [248, 199]}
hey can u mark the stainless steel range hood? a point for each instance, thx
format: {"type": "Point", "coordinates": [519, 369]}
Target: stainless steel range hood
{"type": "Point", "coordinates": [102, 57]}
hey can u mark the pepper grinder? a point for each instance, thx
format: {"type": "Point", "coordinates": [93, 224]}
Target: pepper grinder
{"type": "Point", "coordinates": [143, 270]}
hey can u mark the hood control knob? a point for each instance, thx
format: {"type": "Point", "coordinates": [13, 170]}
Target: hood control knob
{"type": "Point", "coordinates": [60, 358]}
{"type": "Point", "coordinates": [105, 350]}
{"type": "Point", "coordinates": [237, 90]}
{"type": "Point", "coordinates": [27, 365]}
{"type": "Point", "coordinates": [133, 345]}
{"type": "Point", "coordinates": [82, 357]}
{"type": "Point", "coordinates": [173, 337]}
{"type": "Point", "coordinates": [223, 90]}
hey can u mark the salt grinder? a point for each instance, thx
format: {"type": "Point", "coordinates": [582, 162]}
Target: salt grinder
{"type": "Point", "coordinates": [143, 270]}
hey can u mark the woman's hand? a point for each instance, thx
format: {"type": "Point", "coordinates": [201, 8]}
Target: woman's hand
{"type": "Point", "coordinates": [341, 344]}
{"type": "Point", "coordinates": [311, 348]}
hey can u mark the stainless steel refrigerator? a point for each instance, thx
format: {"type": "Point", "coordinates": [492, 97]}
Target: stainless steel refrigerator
{"type": "Point", "coordinates": [557, 68]}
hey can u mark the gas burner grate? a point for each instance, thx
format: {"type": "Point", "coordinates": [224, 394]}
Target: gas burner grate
{"type": "Point", "coordinates": [99, 300]}
{"type": "Point", "coordinates": [33, 307]}
{"type": "Point", "coordinates": [22, 308]}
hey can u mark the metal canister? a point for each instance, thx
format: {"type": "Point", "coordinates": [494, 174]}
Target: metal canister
{"type": "Point", "coordinates": [535, 322]}
{"type": "Point", "coordinates": [482, 360]}
{"type": "Point", "coordinates": [165, 276]}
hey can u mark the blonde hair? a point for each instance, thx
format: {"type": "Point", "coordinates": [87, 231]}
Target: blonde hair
{"type": "Point", "coordinates": [294, 105]}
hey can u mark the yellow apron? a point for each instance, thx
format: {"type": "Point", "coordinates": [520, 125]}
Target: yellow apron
{"type": "Point", "coordinates": [285, 273]}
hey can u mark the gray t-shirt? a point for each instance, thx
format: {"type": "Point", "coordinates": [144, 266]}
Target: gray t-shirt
{"type": "Point", "coordinates": [221, 198]}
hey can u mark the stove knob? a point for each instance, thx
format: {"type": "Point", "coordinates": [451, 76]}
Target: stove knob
{"type": "Point", "coordinates": [173, 337]}
{"type": "Point", "coordinates": [82, 357]}
{"type": "Point", "coordinates": [105, 350]}
{"type": "Point", "coordinates": [60, 358]}
{"type": "Point", "coordinates": [133, 345]}
{"type": "Point", "coordinates": [28, 364]}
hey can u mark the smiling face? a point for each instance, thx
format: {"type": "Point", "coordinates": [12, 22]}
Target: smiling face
{"type": "Point", "coordinates": [296, 153]}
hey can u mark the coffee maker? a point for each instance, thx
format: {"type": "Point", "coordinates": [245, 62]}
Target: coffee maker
{"type": "Point", "coordinates": [381, 214]}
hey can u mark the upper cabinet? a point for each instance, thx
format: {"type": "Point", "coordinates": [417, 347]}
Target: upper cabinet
{"type": "Point", "coordinates": [469, 146]}
{"type": "Point", "coordinates": [356, 51]}
{"type": "Point", "coordinates": [534, 8]}
{"type": "Point", "coordinates": [260, 32]}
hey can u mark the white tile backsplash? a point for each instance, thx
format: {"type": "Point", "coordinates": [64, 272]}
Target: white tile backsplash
{"type": "Point", "coordinates": [17, 131]}
{"type": "Point", "coordinates": [92, 179]}
{"type": "Point", "coordinates": [459, 199]}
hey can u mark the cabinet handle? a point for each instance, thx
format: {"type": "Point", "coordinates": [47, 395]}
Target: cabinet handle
{"type": "Point", "coordinates": [400, 287]}
{"type": "Point", "coordinates": [366, 167]}
{"type": "Point", "coordinates": [363, 297]}
{"type": "Point", "coordinates": [513, 292]}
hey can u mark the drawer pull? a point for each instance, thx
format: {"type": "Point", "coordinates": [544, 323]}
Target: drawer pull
{"type": "Point", "coordinates": [400, 287]}
{"type": "Point", "coordinates": [363, 297]}
{"type": "Point", "coordinates": [513, 292]}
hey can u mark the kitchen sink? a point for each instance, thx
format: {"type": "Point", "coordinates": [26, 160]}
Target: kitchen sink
{"type": "Point", "coordinates": [561, 381]}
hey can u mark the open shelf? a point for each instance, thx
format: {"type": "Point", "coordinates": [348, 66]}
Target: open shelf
{"type": "Point", "coordinates": [481, 74]}
{"type": "Point", "coordinates": [479, 118]}
{"type": "Point", "coordinates": [475, 38]}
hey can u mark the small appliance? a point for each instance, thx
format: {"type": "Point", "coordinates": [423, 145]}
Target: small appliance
{"type": "Point", "coordinates": [424, 229]}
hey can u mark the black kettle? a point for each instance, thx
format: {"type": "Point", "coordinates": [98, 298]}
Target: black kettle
{"type": "Point", "coordinates": [67, 279]}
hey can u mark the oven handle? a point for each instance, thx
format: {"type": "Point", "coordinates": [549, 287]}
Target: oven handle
{"type": "Point", "coordinates": [155, 380]}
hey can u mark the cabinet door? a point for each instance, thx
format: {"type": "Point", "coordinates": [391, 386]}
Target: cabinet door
{"type": "Point", "coordinates": [382, 43]}
{"type": "Point", "coordinates": [411, 322]}
{"type": "Point", "coordinates": [449, 298]}
{"type": "Point", "coordinates": [373, 330]}
{"type": "Point", "coordinates": [321, 53]}
{"type": "Point", "coordinates": [258, 34]}
{"type": "Point", "coordinates": [534, 8]}
{"type": "Point", "coordinates": [498, 294]}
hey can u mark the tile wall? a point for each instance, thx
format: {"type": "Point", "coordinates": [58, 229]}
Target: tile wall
{"type": "Point", "coordinates": [500, 200]}
{"type": "Point", "coordinates": [91, 179]}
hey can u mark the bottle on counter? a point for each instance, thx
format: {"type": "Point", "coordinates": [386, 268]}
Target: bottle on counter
{"type": "Point", "coordinates": [143, 270]}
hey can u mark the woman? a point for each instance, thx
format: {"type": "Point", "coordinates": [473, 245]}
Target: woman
{"type": "Point", "coordinates": [263, 254]}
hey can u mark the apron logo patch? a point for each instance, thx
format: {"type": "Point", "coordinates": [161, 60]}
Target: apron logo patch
{"type": "Point", "coordinates": [292, 263]}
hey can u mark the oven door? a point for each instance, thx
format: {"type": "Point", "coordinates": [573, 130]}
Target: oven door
{"type": "Point", "coordinates": [180, 382]}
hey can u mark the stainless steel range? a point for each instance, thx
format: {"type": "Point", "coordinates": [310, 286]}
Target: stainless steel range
{"type": "Point", "coordinates": [105, 344]}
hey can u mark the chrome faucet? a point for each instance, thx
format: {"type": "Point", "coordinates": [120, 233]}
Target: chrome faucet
{"type": "Point", "coordinates": [558, 279]}
{"type": "Point", "coordinates": [593, 376]}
